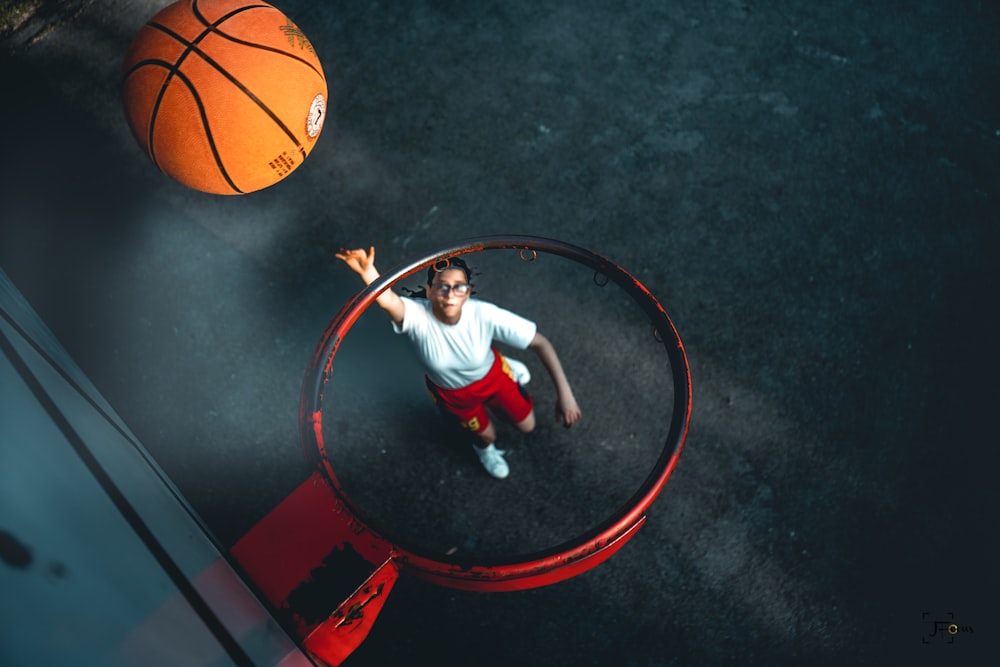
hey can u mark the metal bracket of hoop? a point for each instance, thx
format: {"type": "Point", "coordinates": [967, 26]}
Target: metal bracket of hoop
{"type": "Point", "coordinates": [541, 568]}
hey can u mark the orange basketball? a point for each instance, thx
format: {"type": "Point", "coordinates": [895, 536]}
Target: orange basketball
{"type": "Point", "coordinates": [226, 96]}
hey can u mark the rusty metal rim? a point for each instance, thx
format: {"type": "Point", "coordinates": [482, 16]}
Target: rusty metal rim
{"type": "Point", "coordinates": [542, 567]}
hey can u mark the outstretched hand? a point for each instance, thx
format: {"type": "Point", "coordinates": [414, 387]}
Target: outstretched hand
{"type": "Point", "coordinates": [567, 411]}
{"type": "Point", "coordinates": [361, 262]}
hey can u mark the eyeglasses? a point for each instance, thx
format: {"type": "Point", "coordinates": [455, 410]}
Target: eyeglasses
{"type": "Point", "coordinates": [461, 289]}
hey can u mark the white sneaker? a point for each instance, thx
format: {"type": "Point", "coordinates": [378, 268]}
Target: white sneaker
{"type": "Point", "coordinates": [521, 373]}
{"type": "Point", "coordinates": [492, 459]}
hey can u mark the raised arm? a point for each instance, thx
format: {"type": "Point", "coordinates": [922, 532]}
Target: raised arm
{"type": "Point", "coordinates": [567, 411]}
{"type": "Point", "coordinates": [363, 264]}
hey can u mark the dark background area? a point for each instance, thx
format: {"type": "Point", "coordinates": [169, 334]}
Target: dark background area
{"type": "Point", "coordinates": [810, 189]}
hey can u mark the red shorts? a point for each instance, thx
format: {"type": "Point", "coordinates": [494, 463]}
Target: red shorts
{"type": "Point", "coordinates": [497, 391]}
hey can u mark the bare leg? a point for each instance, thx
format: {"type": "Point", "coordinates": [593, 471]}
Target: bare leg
{"type": "Point", "coordinates": [487, 436]}
{"type": "Point", "coordinates": [526, 425]}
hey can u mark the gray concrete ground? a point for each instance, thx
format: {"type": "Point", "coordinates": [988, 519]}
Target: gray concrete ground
{"type": "Point", "coordinates": [811, 189]}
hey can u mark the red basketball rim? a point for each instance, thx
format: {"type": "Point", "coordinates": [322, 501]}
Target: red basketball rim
{"type": "Point", "coordinates": [539, 568]}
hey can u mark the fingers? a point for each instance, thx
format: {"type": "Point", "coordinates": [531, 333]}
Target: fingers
{"type": "Point", "coordinates": [358, 253]}
{"type": "Point", "coordinates": [568, 416]}
{"type": "Point", "coordinates": [356, 257]}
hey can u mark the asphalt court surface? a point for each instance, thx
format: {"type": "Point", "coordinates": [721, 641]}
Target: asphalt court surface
{"type": "Point", "coordinates": [810, 190]}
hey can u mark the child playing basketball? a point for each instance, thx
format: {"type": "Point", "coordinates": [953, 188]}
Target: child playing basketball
{"type": "Point", "coordinates": [453, 336]}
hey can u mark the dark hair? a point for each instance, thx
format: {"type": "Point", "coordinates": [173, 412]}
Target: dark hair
{"type": "Point", "coordinates": [449, 263]}
{"type": "Point", "coordinates": [436, 268]}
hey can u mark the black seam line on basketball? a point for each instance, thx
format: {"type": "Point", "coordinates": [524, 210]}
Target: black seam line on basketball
{"type": "Point", "coordinates": [191, 47]}
{"type": "Point", "coordinates": [150, 152]}
{"type": "Point", "coordinates": [201, 112]}
{"type": "Point", "coordinates": [270, 49]}
{"type": "Point", "coordinates": [225, 17]}
{"type": "Point", "coordinates": [172, 68]}
{"type": "Point", "coordinates": [127, 510]}
{"type": "Point", "coordinates": [213, 27]}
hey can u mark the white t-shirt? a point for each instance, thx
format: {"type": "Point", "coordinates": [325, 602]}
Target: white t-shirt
{"type": "Point", "coordinates": [456, 355]}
